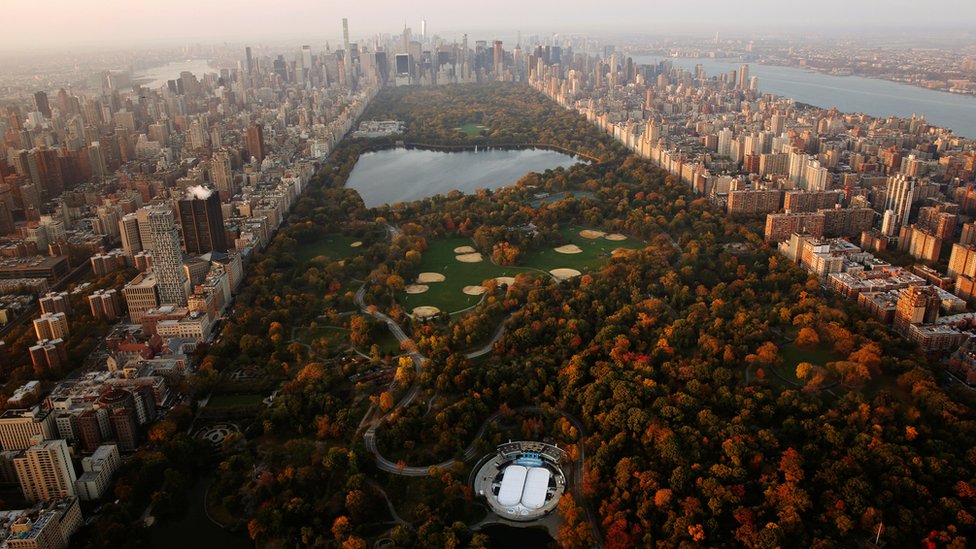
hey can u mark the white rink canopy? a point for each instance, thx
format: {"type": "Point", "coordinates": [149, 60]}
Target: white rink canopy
{"type": "Point", "coordinates": [523, 485]}
{"type": "Point", "coordinates": [536, 484]}
{"type": "Point", "coordinates": [510, 492]}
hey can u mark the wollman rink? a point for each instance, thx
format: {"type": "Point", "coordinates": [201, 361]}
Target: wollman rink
{"type": "Point", "coordinates": [523, 480]}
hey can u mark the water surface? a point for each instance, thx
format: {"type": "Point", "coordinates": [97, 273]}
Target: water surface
{"type": "Point", "coordinates": [879, 98]}
{"type": "Point", "coordinates": [403, 175]}
{"type": "Point", "coordinates": [157, 76]}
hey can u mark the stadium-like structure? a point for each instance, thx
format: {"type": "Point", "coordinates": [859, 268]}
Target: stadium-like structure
{"type": "Point", "coordinates": [523, 480]}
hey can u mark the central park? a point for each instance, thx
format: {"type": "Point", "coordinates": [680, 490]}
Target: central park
{"type": "Point", "coordinates": [703, 390]}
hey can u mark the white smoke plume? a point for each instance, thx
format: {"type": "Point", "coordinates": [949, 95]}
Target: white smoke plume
{"type": "Point", "coordinates": [198, 192]}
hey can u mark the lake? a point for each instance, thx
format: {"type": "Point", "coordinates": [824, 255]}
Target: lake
{"type": "Point", "coordinates": [157, 76]}
{"type": "Point", "coordinates": [404, 175]}
{"type": "Point", "coordinates": [871, 96]}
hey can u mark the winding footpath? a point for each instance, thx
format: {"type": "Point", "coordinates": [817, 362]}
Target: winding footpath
{"type": "Point", "coordinates": [491, 344]}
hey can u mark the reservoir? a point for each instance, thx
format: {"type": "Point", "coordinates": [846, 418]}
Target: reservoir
{"type": "Point", "coordinates": [850, 94]}
{"type": "Point", "coordinates": [156, 77]}
{"type": "Point", "coordinates": [404, 175]}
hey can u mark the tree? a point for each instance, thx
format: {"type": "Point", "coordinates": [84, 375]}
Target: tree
{"type": "Point", "coordinates": [341, 528]}
{"type": "Point", "coordinates": [807, 338]}
{"type": "Point", "coordinates": [395, 282]}
{"type": "Point", "coordinates": [386, 401]}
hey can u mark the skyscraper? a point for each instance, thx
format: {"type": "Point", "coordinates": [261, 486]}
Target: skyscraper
{"type": "Point", "coordinates": [499, 58]}
{"type": "Point", "coordinates": [899, 197]}
{"type": "Point", "coordinates": [45, 471]}
{"type": "Point", "coordinates": [254, 140]}
{"type": "Point", "coordinates": [42, 104]}
{"type": "Point", "coordinates": [347, 53]}
{"type": "Point", "coordinates": [129, 231]}
{"type": "Point", "coordinates": [222, 174]}
{"type": "Point", "coordinates": [167, 256]}
{"type": "Point", "coordinates": [743, 80]}
{"type": "Point", "coordinates": [202, 222]}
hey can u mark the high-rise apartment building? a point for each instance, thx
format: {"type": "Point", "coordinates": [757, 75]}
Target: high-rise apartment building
{"type": "Point", "coordinates": [254, 140]}
{"type": "Point", "coordinates": [51, 326]}
{"type": "Point", "coordinates": [202, 222]}
{"type": "Point", "coordinates": [167, 255]}
{"type": "Point", "coordinates": [106, 304]}
{"type": "Point", "coordinates": [899, 196]}
{"type": "Point", "coordinates": [45, 471]}
{"type": "Point", "coordinates": [55, 302]}
{"type": "Point", "coordinates": [962, 261]}
{"type": "Point", "coordinates": [917, 305]}
{"type": "Point", "coordinates": [97, 472]}
{"type": "Point", "coordinates": [222, 174]}
{"type": "Point", "coordinates": [48, 354]}
{"type": "Point", "coordinates": [19, 426]}
{"type": "Point", "coordinates": [141, 295]}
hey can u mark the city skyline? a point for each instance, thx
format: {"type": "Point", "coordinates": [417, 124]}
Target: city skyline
{"type": "Point", "coordinates": [66, 23]}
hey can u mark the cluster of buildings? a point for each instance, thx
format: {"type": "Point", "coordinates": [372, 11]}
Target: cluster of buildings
{"type": "Point", "coordinates": [834, 188]}
{"type": "Point", "coordinates": [175, 188]}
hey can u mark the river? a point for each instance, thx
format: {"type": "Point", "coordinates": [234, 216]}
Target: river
{"type": "Point", "coordinates": [879, 98]}
{"type": "Point", "coordinates": [403, 175]}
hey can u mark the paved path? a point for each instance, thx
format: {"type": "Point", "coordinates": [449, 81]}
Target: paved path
{"type": "Point", "coordinates": [491, 344]}
{"type": "Point", "coordinates": [389, 504]}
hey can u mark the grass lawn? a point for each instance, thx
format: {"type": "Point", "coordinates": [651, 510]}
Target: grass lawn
{"type": "Point", "coordinates": [333, 246]}
{"type": "Point", "coordinates": [337, 337]}
{"type": "Point", "coordinates": [553, 198]}
{"type": "Point", "coordinates": [471, 129]}
{"type": "Point", "coordinates": [232, 400]}
{"type": "Point", "coordinates": [793, 355]}
{"type": "Point", "coordinates": [448, 295]}
{"type": "Point", "coordinates": [385, 340]}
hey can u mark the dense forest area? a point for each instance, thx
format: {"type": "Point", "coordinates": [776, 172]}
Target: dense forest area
{"type": "Point", "coordinates": [506, 113]}
{"type": "Point", "coordinates": [703, 428]}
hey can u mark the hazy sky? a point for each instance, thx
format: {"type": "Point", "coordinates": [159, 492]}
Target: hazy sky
{"type": "Point", "coordinates": [52, 24]}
